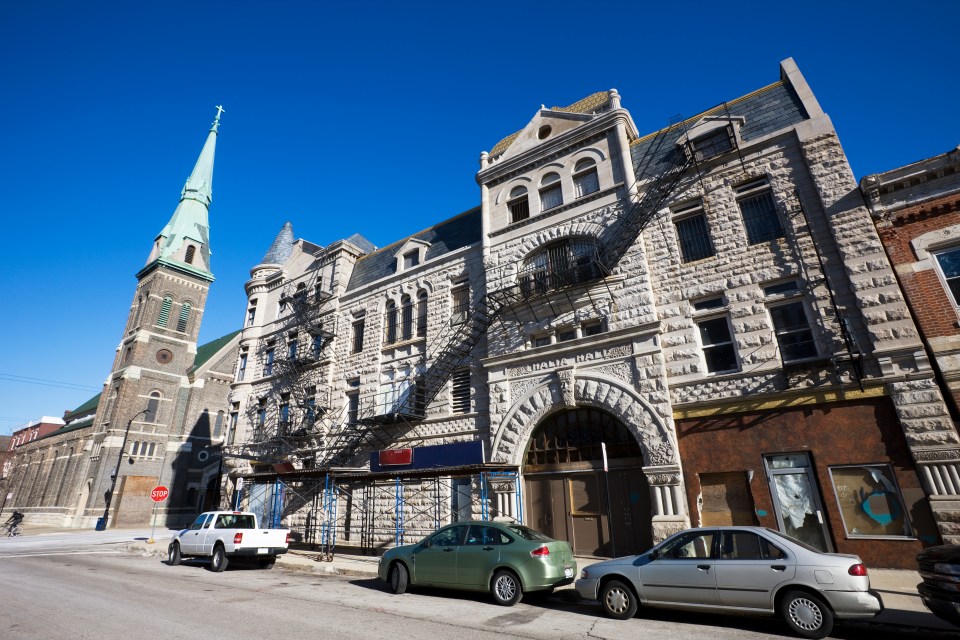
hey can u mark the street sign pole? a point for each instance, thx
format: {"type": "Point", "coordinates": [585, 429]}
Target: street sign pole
{"type": "Point", "coordinates": [158, 495]}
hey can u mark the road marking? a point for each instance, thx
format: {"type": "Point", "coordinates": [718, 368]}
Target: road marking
{"type": "Point", "coordinates": [58, 553]}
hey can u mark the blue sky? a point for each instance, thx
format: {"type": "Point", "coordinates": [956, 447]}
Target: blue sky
{"type": "Point", "coordinates": [364, 117]}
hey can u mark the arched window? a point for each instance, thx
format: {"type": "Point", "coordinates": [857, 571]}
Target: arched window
{"type": "Point", "coordinates": [191, 250]}
{"type": "Point", "coordinates": [390, 322]}
{"type": "Point", "coordinates": [560, 264]}
{"type": "Point", "coordinates": [578, 435]}
{"type": "Point", "coordinates": [406, 305]}
{"type": "Point", "coordinates": [519, 204]}
{"type": "Point", "coordinates": [164, 311]}
{"type": "Point", "coordinates": [153, 407]}
{"type": "Point", "coordinates": [300, 297]}
{"type": "Point", "coordinates": [184, 316]}
{"type": "Point", "coordinates": [585, 180]}
{"type": "Point", "coordinates": [422, 314]}
{"type": "Point", "coordinates": [551, 192]}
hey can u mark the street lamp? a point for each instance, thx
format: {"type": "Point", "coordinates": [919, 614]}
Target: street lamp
{"type": "Point", "coordinates": [116, 472]}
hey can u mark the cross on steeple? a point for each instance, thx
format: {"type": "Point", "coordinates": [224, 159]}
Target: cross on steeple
{"type": "Point", "coordinates": [216, 121]}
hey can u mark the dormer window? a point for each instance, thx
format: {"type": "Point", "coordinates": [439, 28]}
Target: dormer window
{"type": "Point", "coordinates": [585, 180]}
{"type": "Point", "coordinates": [551, 193]}
{"type": "Point", "coordinates": [711, 137]}
{"type": "Point", "coordinates": [519, 204]}
{"type": "Point", "coordinates": [191, 250]}
{"type": "Point", "coordinates": [712, 144]}
{"type": "Point", "coordinates": [411, 254]}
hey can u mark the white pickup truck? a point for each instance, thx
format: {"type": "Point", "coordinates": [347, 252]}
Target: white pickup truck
{"type": "Point", "coordinates": [220, 535]}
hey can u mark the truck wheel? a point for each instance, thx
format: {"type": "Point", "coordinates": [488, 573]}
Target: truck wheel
{"type": "Point", "coordinates": [218, 561]}
{"type": "Point", "coordinates": [399, 578]}
{"type": "Point", "coordinates": [173, 555]}
{"type": "Point", "coordinates": [267, 563]}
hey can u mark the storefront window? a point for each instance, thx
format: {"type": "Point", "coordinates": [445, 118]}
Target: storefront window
{"type": "Point", "coordinates": [870, 502]}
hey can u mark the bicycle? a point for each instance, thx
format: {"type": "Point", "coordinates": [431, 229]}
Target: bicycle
{"type": "Point", "coordinates": [12, 525]}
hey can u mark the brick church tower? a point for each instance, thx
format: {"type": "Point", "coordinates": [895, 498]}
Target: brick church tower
{"type": "Point", "coordinates": [145, 398]}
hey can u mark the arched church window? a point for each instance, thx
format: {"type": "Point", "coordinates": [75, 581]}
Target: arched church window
{"type": "Point", "coordinates": [153, 407]}
{"type": "Point", "coordinates": [191, 250]}
{"type": "Point", "coordinates": [164, 311]}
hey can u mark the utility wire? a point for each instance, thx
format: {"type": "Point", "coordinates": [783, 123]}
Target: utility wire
{"type": "Point", "coordinates": [46, 383]}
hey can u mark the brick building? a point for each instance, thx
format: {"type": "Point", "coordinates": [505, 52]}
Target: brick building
{"type": "Point", "coordinates": [631, 334]}
{"type": "Point", "coordinates": [916, 209]}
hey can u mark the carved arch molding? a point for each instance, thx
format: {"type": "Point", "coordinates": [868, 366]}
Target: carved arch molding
{"type": "Point", "coordinates": [565, 390]}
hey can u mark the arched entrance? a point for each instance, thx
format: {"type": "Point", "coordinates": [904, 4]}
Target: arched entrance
{"type": "Point", "coordinates": [570, 497]}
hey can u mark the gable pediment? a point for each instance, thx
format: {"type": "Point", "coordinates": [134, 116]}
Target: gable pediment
{"type": "Point", "coordinates": [546, 125]}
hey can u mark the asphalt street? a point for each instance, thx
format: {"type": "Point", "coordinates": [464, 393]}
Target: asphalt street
{"type": "Point", "coordinates": [86, 585]}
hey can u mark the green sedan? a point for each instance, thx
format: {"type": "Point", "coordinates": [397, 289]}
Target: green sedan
{"type": "Point", "coordinates": [505, 559]}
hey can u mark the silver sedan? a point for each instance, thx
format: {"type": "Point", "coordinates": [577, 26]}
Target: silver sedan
{"type": "Point", "coordinates": [736, 570]}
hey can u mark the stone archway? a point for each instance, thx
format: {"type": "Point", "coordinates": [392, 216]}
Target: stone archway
{"type": "Point", "coordinates": [568, 388]}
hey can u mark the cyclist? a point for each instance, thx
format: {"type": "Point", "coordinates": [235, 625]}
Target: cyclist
{"type": "Point", "coordinates": [13, 524]}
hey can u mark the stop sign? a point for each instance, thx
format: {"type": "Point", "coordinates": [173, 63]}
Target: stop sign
{"type": "Point", "coordinates": [159, 494]}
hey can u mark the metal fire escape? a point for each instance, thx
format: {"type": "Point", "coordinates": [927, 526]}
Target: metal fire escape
{"type": "Point", "coordinates": [660, 171]}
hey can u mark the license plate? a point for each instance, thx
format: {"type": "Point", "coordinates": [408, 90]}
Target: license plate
{"type": "Point", "coordinates": [568, 572]}
{"type": "Point", "coordinates": [262, 550]}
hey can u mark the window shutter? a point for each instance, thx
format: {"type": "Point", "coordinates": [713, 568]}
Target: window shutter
{"type": "Point", "coordinates": [184, 315]}
{"type": "Point", "coordinates": [164, 311]}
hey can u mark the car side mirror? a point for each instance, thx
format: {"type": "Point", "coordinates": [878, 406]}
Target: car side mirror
{"type": "Point", "coordinates": [427, 544]}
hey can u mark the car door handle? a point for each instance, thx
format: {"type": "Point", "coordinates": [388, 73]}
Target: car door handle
{"type": "Point", "coordinates": [488, 548]}
{"type": "Point", "coordinates": [778, 567]}
{"type": "Point", "coordinates": [703, 567]}
{"type": "Point", "coordinates": [448, 550]}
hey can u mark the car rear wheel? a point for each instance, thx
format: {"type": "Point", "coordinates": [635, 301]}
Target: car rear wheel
{"type": "Point", "coordinates": [218, 561]}
{"type": "Point", "coordinates": [618, 600]}
{"type": "Point", "coordinates": [173, 555]}
{"type": "Point", "coordinates": [399, 578]}
{"type": "Point", "coordinates": [806, 615]}
{"type": "Point", "coordinates": [505, 588]}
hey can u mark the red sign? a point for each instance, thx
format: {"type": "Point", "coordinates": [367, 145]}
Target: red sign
{"type": "Point", "coordinates": [391, 457]}
{"type": "Point", "coordinates": [159, 494]}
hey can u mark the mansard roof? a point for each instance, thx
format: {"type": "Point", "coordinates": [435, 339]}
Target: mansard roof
{"type": "Point", "coordinates": [764, 111]}
{"type": "Point", "coordinates": [452, 234]}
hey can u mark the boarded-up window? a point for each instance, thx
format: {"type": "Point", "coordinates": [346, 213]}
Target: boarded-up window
{"type": "Point", "coordinates": [726, 500]}
{"type": "Point", "coordinates": [584, 495]}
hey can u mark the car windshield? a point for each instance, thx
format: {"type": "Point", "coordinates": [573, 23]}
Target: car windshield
{"type": "Point", "coordinates": [527, 533]}
{"type": "Point", "coordinates": [799, 543]}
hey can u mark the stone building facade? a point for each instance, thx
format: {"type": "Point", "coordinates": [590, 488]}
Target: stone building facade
{"type": "Point", "coordinates": [640, 333]}
{"type": "Point", "coordinates": [161, 415]}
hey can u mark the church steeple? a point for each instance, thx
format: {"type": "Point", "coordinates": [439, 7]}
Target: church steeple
{"type": "Point", "coordinates": [184, 243]}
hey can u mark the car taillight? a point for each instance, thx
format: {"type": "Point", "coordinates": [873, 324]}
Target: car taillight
{"type": "Point", "coordinates": [237, 538]}
{"type": "Point", "coordinates": [857, 570]}
{"type": "Point", "coordinates": [288, 537]}
{"type": "Point", "coordinates": [540, 552]}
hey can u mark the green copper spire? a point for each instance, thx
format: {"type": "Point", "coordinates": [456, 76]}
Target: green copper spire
{"type": "Point", "coordinates": [184, 243]}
